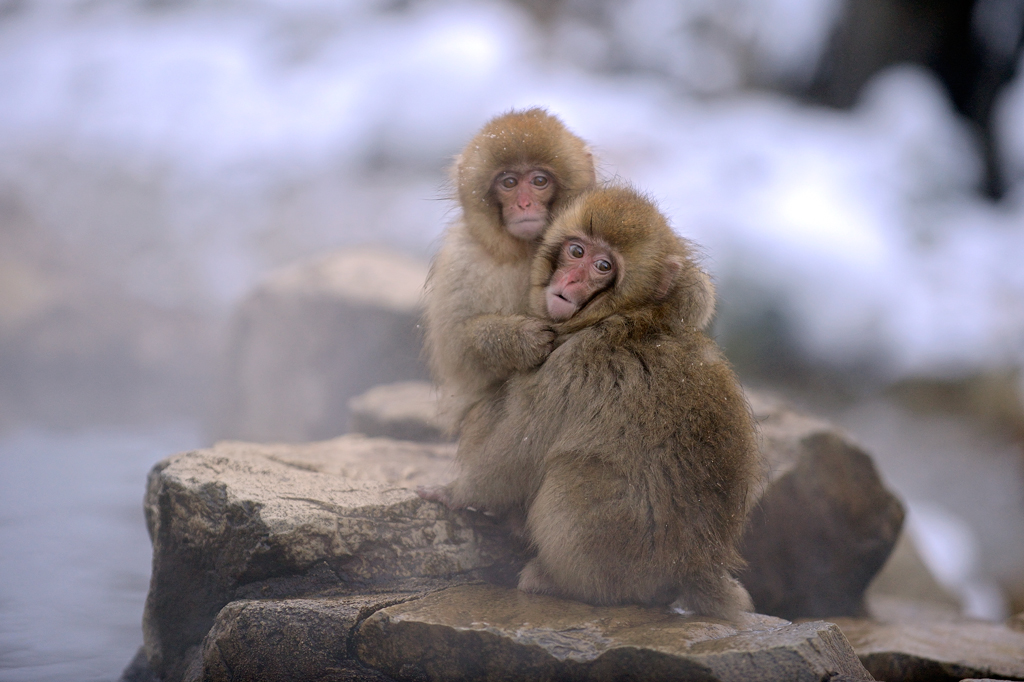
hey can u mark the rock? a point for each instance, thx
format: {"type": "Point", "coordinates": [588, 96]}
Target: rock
{"type": "Point", "coordinates": [312, 337]}
{"type": "Point", "coordinates": [1016, 622]}
{"type": "Point", "coordinates": [138, 669]}
{"type": "Point", "coordinates": [825, 523]}
{"type": "Point", "coordinates": [227, 520]}
{"type": "Point", "coordinates": [290, 639]}
{"type": "Point", "coordinates": [405, 410]}
{"type": "Point", "coordinates": [906, 575]}
{"type": "Point", "coordinates": [993, 398]}
{"type": "Point", "coordinates": [479, 632]}
{"type": "Point", "coordinates": [339, 520]}
{"type": "Point", "coordinates": [909, 642]}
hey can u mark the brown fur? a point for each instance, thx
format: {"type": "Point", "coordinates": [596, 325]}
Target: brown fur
{"type": "Point", "coordinates": [478, 327]}
{"type": "Point", "coordinates": [631, 450]}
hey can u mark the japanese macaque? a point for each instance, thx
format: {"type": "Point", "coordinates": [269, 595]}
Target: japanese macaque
{"type": "Point", "coordinates": [630, 452]}
{"type": "Point", "coordinates": [521, 169]}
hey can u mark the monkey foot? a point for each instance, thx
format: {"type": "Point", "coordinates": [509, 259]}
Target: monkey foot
{"type": "Point", "coordinates": [533, 579]}
{"type": "Point", "coordinates": [437, 493]}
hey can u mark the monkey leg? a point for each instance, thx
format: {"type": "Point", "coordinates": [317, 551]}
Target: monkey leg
{"type": "Point", "coordinates": [594, 539]}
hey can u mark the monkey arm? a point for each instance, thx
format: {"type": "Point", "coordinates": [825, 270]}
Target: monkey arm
{"type": "Point", "coordinates": [476, 331]}
{"type": "Point", "coordinates": [501, 345]}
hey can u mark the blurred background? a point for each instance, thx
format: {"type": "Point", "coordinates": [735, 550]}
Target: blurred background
{"type": "Point", "coordinates": [852, 169]}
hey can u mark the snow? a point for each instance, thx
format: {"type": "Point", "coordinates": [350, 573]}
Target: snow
{"type": "Point", "coordinates": [267, 131]}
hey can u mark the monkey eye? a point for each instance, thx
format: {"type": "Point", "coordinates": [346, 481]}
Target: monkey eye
{"type": "Point", "coordinates": [575, 250]}
{"type": "Point", "coordinates": [509, 181]}
{"type": "Point", "coordinates": [603, 266]}
{"type": "Point", "coordinates": [540, 180]}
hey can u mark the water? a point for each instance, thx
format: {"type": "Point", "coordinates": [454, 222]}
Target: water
{"type": "Point", "coordinates": [74, 552]}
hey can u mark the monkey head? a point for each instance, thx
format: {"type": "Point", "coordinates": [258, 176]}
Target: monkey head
{"type": "Point", "coordinates": [612, 251]}
{"type": "Point", "coordinates": [585, 268]}
{"type": "Point", "coordinates": [519, 170]}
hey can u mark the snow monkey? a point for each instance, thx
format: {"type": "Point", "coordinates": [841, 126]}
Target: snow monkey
{"type": "Point", "coordinates": [522, 168]}
{"type": "Point", "coordinates": [630, 451]}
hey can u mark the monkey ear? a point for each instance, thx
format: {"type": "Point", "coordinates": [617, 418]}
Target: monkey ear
{"type": "Point", "coordinates": [668, 276]}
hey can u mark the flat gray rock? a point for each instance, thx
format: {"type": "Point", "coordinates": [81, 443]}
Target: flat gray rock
{"type": "Point", "coordinates": [312, 336]}
{"type": "Point", "coordinates": [1016, 622]}
{"type": "Point", "coordinates": [229, 519]}
{"type": "Point", "coordinates": [288, 640]}
{"type": "Point", "coordinates": [405, 410]}
{"type": "Point", "coordinates": [274, 523]}
{"type": "Point", "coordinates": [483, 632]}
{"type": "Point", "coordinates": [907, 641]}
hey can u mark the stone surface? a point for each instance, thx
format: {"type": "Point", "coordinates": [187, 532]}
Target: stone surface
{"type": "Point", "coordinates": [289, 639]}
{"type": "Point", "coordinates": [906, 575]}
{"type": "Point", "coordinates": [231, 518]}
{"type": "Point", "coordinates": [478, 632]}
{"type": "Point", "coordinates": [312, 337]}
{"type": "Point", "coordinates": [993, 398]}
{"type": "Point", "coordinates": [909, 643]}
{"type": "Point", "coordinates": [1016, 622]}
{"type": "Point", "coordinates": [825, 523]}
{"type": "Point", "coordinates": [138, 669]}
{"type": "Point", "coordinates": [406, 410]}
{"type": "Point", "coordinates": [339, 518]}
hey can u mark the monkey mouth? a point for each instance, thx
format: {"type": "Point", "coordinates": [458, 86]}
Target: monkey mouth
{"type": "Point", "coordinates": [527, 229]}
{"type": "Point", "coordinates": [560, 308]}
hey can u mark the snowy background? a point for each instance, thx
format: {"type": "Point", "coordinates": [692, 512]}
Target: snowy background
{"type": "Point", "coordinates": [159, 157]}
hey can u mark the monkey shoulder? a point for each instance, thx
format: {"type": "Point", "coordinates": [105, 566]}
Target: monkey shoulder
{"type": "Point", "coordinates": [670, 369]}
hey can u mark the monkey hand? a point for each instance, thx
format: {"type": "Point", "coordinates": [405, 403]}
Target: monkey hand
{"type": "Point", "coordinates": [537, 342]}
{"type": "Point", "coordinates": [505, 344]}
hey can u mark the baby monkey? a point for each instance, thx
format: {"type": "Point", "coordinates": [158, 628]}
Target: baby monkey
{"type": "Point", "coordinates": [629, 454]}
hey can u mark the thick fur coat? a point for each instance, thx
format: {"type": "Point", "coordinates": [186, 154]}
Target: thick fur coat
{"type": "Point", "coordinates": [630, 452]}
{"type": "Point", "coordinates": [477, 327]}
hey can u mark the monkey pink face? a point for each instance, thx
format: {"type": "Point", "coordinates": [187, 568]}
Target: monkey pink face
{"type": "Point", "coordinates": [586, 267]}
{"type": "Point", "coordinates": [525, 197]}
